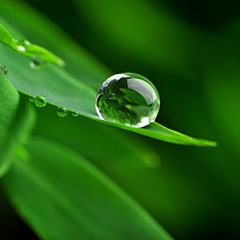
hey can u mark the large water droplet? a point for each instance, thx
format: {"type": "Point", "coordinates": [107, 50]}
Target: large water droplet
{"type": "Point", "coordinates": [128, 98]}
{"type": "Point", "coordinates": [40, 101]}
{"type": "Point", "coordinates": [23, 45]}
{"type": "Point", "coordinates": [37, 63]}
{"type": "Point", "coordinates": [31, 99]}
{"type": "Point", "coordinates": [75, 114]}
{"type": "Point", "coordinates": [62, 112]}
{"type": "Point", "coordinates": [3, 70]}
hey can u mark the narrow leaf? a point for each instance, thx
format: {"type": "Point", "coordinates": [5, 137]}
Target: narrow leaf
{"type": "Point", "coordinates": [61, 89]}
{"type": "Point", "coordinates": [9, 100]}
{"type": "Point", "coordinates": [26, 48]}
{"type": "Point", "coordinates": [158, 131]}
{"type": "Point", "coordinates": [16, 120]}
{"type": "Point", "coordinates": [59, 184]}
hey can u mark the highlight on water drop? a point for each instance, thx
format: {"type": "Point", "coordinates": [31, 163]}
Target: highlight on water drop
{"type": "Point", "coordinates": [31, 99]}
{"type": "Point", "coordinates": [75, 114]}
{"type": "Point", "coordinates": [62, 112]}
{"type": "Point", "coordinates": [40, 101]}
{"type": "Point", "coordinates": [37, 63]}
{"type": "Point", "coordinates": [129, 99]}
{"type": "Point", "coordinates": [23, 45]}
{"type": "Point", "coordinates": [3, 70]}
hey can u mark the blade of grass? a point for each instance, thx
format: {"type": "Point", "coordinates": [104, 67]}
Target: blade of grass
{"type": "Point", "coordinates": [16, 120]}
{"type": "Point", "coordinates": [80, 63]}
{"type": "Point", "coordinates": [61, 89]}
{"type": "Point", "coordinates": [70, 187]}
{"type": "Point", "coordinates": [28, 49]}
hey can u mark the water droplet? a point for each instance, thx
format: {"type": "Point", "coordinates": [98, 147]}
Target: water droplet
{"type": "Point", "coordinates": [128, 98]}
{"type": "Point", "coordinates": [23, 45]}
{"type": "Point", "coordinates": [37, 63]}
{"type": "Point", "coordinates": [3, 45]}
{"type": "Point", "coordinates": [3, 70]}
{"type": "Point", "coordinates": [62, 112]}
{"type": "Point", "coordinates": [31, 99]}
{"type": "Point", "coordinates": [40, 101]}
{"type": "Point", "coordinates": [75, 114]}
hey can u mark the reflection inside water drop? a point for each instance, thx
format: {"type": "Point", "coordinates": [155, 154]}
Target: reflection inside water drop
{"type": "Point", "coordinates": [31, 99]}
{"type": "Point", "coordinates": [62, 112]}
{"type": "Point", "coordinates": [128, 98]}
{"type": "Point", "coordinates": [75, 114]}
{"type": "Point", "coordinates": [40, 101]}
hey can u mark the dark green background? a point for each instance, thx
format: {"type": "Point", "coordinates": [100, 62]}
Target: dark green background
{"type": "Point", "coordinates": [190, 51]}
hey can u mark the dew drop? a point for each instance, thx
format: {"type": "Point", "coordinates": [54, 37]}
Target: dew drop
{"type": "Point", "coordinates": [37, 63]}
{"type": "Point", "coordinates": [40, 101]}
{"type": "Point", "coordinates": [128, 98]}
{"type": "Point", "coordinates": [23, 45]}
{"type": "Point", "coordinates": [31, 99]}
{"type": "Point", "coordinates": [3, 71]}
{"type": "Point", "coordinates": [62, 112]}
{"type": "Point", "coordinates": [75, 114]}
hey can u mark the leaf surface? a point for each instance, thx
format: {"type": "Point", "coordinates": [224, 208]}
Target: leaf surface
{"type": "Point", "coordinates": [62, 89]}
{"type": "Point", "coordinates": [60, 184]}
{"type": "Point", "coordinates": [16, 120]}
{"type": "Point", "coordinates": [27, 48]}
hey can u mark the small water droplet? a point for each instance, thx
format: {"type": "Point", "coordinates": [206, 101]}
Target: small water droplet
{"type": "Point", "coordinates": [3, 45]}
{"type": "Point", "coordinates": [23, 45]}
{"type": "Point", "coordinates": [37, 63]}
{"type": "Point", "coordinates": [62, 112]}
{"type": "Point", "coordinates": [40, 101]}
{"type": "Point", "coordinates": [31, 99]}
{"type": "Point", "coordinates": [75, 114]}
{"type": "Point", "coordinates": [3, 71]}
{"type": "Point", "coordinates": [128, 98]}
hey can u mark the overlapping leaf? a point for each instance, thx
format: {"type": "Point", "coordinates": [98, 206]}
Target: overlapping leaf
{"type": "Point", "coordinates": [16, 120]}
{"type": "Point", "coordinates": [60, 184]}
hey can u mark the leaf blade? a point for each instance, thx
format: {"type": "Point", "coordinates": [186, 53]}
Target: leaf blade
{"type": "Point", "coordinates": [65, 91]}
{"type": "Point", "coordinates": [67, 183]}
{"type": "Point", "coordinates": [160, 132]}
{"type": "Point", "coordinates": [9, 100]}
{"type": "Point", "coordinates": [32, 50]}
{"type": "Point", "coordinates": [16, 120]}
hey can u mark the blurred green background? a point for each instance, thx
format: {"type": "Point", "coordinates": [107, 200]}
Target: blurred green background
{"type": "Point", "coordinates": [191, 51]}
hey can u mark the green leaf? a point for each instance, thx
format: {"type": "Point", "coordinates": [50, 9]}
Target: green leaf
{"type": "Point", "coordinates": [60, 184]}
{"type": "Point", "coordinates": [16, 120]}
{"type": "Point", "coordinates": [80, 63]}
{"type": "Point", "coordinates": [9, 100]}
{"type": "Point", "coordinates": [160, 132]}
{"type": "Point", "coordinates": [26, 48]}
{"type": "Point", "coordinates": [82, 134]}
{"type": "Point", "coordinates": [61, 89]}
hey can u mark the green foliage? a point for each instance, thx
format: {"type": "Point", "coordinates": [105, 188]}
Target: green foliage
{"type": "Point", "coordinates": [9, 100]}
{"type": "Point", "coordinates": [63, 182]}
{"type": "Point", "coordinates": [26, 48]}
{"type": "Point", "coordinates": [16, 122]}
{"type": "Point", "coordinates": [79, 97]}
{"type": "Point", "coordinates": [81, 177]}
